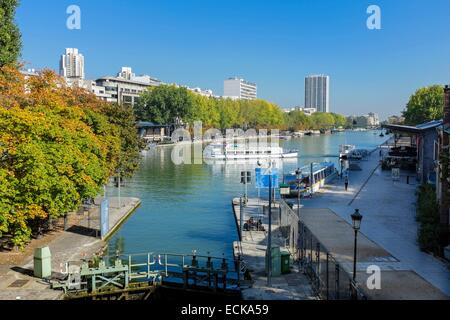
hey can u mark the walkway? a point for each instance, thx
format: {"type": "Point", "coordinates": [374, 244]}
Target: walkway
{"type": "Point", "coordinates": [77, 243]}
{"type": "Point", "coordinates": [389, 210]}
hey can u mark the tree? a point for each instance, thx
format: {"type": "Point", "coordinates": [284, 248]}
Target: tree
{"type": "Point", "coordinates": [297, 120]}
{"type": "Point", "coordinates": [125, 128]}
{"type": "Point", "coordinates": [339, 120]}
{"type": "Point", "coordinates": [205, 110]}
{"type": "Point", "coordinates": [58, 146]}
{"type": "Point", "coordinates": [165, 104]}
{"type": "Point", "coordinates": [10, 39]}
{"type": "Point", "coordinates": [425, 105]}
{"type": "Point", "coordinates": [228, 113]}
{"type": "Point", "coordinates": [321, 120]}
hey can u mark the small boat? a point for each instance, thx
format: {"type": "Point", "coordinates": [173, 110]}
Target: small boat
{"type": "Point", "coordinates": [345, 150]}
{"type": "Point", "coordinates": [244, 152]}
{"type": "Point", "coordinates": [313, 133]}
{"type": "Point", "coordinates": [382, 135]}
{"type": "Point", "coordinates": [323, 173]}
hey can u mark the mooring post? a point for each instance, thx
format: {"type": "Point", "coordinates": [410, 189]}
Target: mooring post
{"type": "Point", "coordinates": [186, 278]}
{"type": "Point", "coordinates": [216, 281]}
{"type": "Point", "coordinates": [224, 280]}
{"type": "Point", "coordinates": [239, 270]}
{"type": "Point", "coordinates": [241, 218]}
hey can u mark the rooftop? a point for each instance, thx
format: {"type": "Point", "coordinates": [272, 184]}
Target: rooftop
{"type": "Point", "coordinates": [414, 129]}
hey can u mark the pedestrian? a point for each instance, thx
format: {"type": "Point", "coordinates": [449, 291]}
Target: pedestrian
{"type": "Point", "coordinates": [346, 183]}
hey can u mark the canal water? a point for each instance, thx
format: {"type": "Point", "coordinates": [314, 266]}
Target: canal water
{"type": "Point", "coordinates": [188, 207]}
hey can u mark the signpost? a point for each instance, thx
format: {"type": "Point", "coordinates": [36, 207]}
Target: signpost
{"type": "Point", "coordinates": [104, 218]}
{"type": "Point", "coordinates": [246, 178]}
{"type": "Point", "coordinates": [268, 179]}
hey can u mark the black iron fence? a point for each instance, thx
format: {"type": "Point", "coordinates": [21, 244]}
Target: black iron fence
{"type": "Point", "coordinates": [329, 279]}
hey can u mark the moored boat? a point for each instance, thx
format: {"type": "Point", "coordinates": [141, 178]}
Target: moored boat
{"type": "Point", "coordinates": [345, 150]}
{"type": "Point", "coordinates": [244, 152]}
{"type": "Point", "coordinates": [322, 173]}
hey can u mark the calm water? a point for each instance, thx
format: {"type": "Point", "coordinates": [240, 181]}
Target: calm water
{"type": "Point", "coordinates": [188, 207]}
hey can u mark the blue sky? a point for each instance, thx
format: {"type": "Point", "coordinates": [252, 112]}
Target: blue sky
{"type": "Point", "coordinates": [273, 43]}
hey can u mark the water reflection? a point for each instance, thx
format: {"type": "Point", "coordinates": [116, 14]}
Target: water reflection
{"type": "Point", "coordinates": [188, 207]}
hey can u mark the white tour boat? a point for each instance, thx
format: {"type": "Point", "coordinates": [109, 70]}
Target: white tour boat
{"type": "Point", "coordinates": [243, 152]}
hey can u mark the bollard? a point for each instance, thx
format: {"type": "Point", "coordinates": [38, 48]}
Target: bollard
{"type": "Point", "coordinates": [194, 261]}
{"type": "Point", "coordinates": [42, 263]}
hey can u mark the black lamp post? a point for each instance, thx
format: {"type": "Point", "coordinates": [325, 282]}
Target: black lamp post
{"type": "Point", "coordinates": [298, 173]}
{"type": "Point", "coordinates": [356, 219]}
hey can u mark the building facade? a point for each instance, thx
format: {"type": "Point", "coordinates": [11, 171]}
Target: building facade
{"type": "Point", "coordinates": [239, 89]}
{"type": "Point", "coordinates": [370, 120]}
{"type": "Point", "coordinates": [122, 91]}
{"type": "Point", "coordinates": [396, 120]}
{"type": "Point", "coordinates": [71, 64]}
{"type": "Point", "coordinates": [317, 92]}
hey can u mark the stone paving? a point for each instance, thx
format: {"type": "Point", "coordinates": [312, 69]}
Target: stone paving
{"type": "Point", "coordinates": [389, 219]}
{"type": "Point", "coordinates": [75, 244]}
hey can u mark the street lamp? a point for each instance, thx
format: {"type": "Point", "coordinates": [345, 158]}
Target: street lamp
{"type": "Point", "coordinates": [298, 173]}
{"type": "Point", "coordinates": [356, 220]}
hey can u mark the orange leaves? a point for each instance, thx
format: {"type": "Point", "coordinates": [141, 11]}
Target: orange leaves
{"type": "Point", "coordinates": [56, 148]}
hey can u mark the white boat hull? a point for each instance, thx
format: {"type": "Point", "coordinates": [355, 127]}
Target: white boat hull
{"type": "Point", "coordinates": [251, 157]}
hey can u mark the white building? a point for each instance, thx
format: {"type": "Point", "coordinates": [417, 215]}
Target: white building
{"type": "Point", "coordinates": [126, 73]}
{"type": "Point", "coordinates": [72, 64]}
{"type": "Point", "coordinates": [373, 119]}
{"type": "Point", "coordinates": [125, 88]}
{"type": "Point", "coordinates": [317, 92]}
{"type": "Point", "coordinates": [202, 92]}
{"type": "Point", "coordinates": [370, 120]}
{"type": "Point", "coordinates": [239, 89]}
{"type": "Point", "coordinates": [396, 120]}
{"type": "Point", "coordinates": [308, 111]}
{"type": "Point", "coordinates": [91, 86]}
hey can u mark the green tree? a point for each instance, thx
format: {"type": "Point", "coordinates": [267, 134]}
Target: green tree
{"type": "Point", "coordinates": [321, 120]}
{"type": "Point", "coordinates": [426, 104]}
{"type": "Point", "coordinates": [228, 113]}
{"type": "Point", "coordinates": [124, 121]}
{"type": "Point", "coordinates": [10, 39]}
{"type": "Point", "coordinates": [297, 120]}
{"type": "Point", "coordinates": [205, 110]}
{"type": "Point", "coordinates": [165, 104]}
{"type": "Point", "coordinates": [339, 120]}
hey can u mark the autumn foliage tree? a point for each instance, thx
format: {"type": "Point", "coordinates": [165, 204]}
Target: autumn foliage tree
{"type": "Point", "coordinates": [58, 146]}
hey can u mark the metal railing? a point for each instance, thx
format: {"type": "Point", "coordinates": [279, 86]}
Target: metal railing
{"type": "Point", "coordinates": [329, 279]}
{"type": "Point", "coordinates": [121, 270]}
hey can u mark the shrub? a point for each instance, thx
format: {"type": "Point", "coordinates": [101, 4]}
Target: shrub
{"type": "Point", "coordinates": [428, 218]}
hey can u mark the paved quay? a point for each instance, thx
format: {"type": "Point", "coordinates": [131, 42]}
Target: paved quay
{"type": "Point", "coordinates": [397, 282]}
{"type": "Point", "coordinates": [389, 221]}
{"type": "Point", "coordinates": [292, 286]}
{"type": "Point", "coordinates": [78, 242]}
